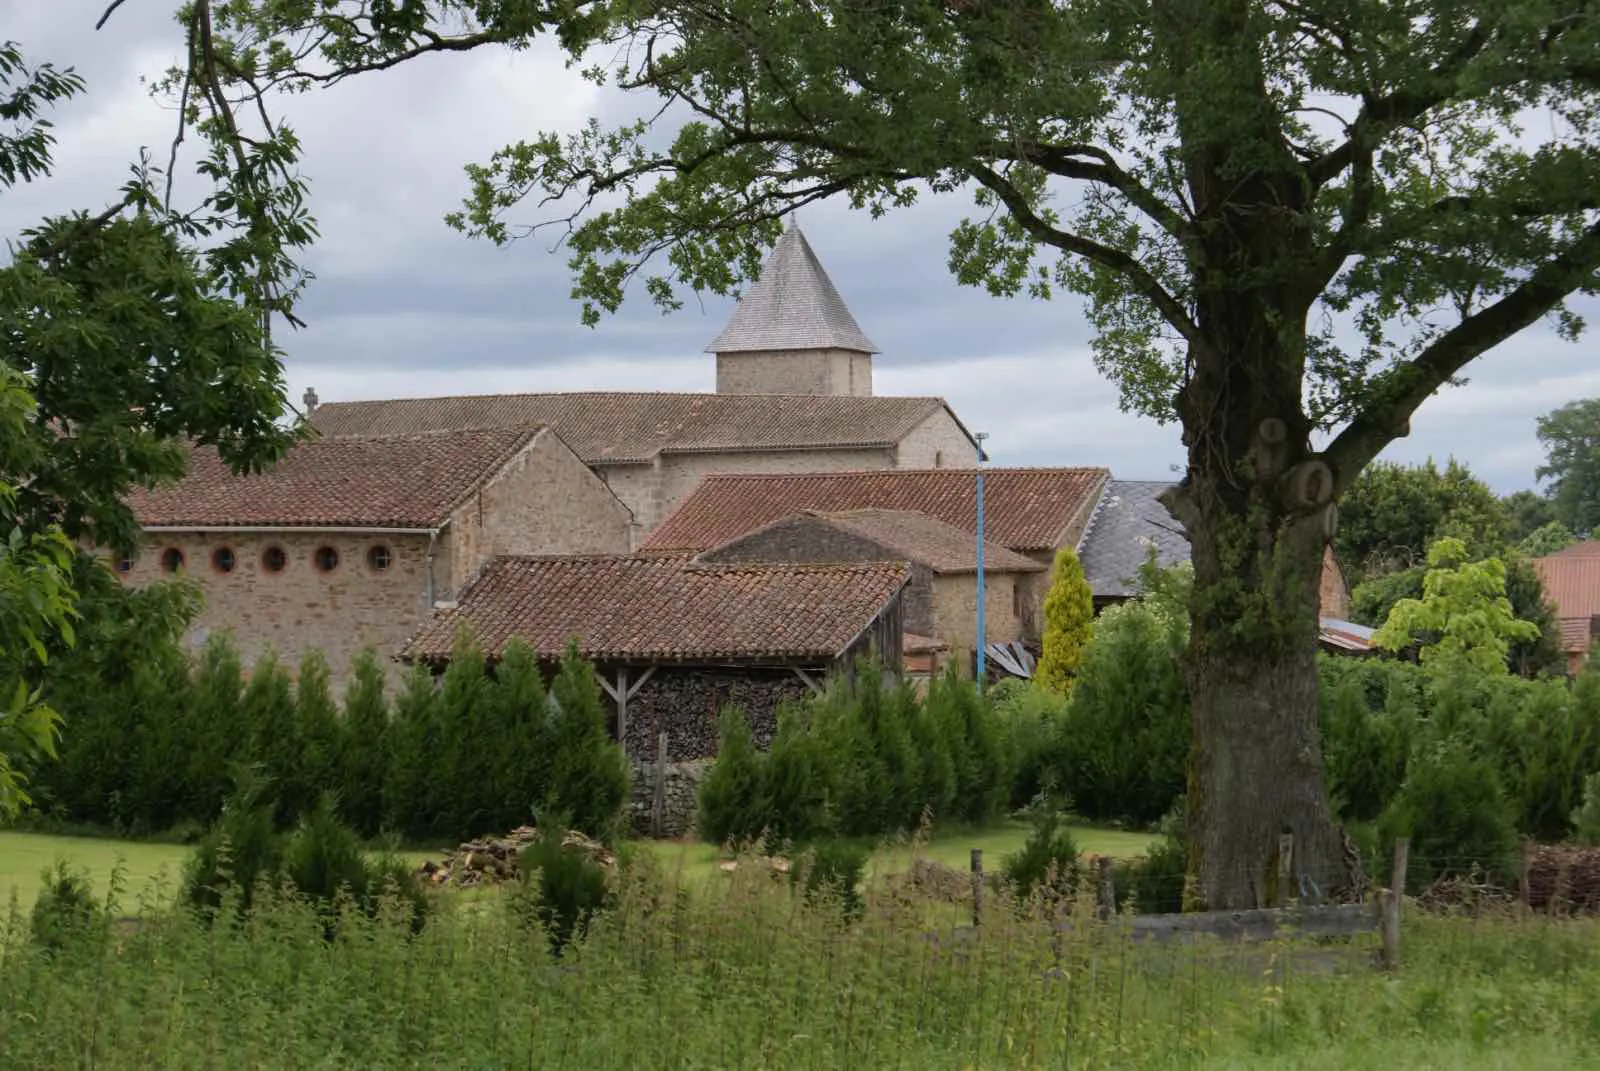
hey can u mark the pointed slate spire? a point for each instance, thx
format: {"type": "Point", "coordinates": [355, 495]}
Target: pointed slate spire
{"type": "Point", "coordinates": [793, 306]}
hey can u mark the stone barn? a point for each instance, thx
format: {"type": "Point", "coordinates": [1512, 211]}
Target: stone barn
{"type": "Point", "coordinates": [674, 641]}
{"type": "Point", "coordinates": [347, 543]}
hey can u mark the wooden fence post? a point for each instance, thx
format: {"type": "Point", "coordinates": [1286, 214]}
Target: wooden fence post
{"type": "Point", "coordinates": [1525, 875]}
{"type": "Point", "coordinates": [977, 885]}
{"type": "Point", "coordinates": [1390, 904]}
{"type": "Point", "coordinates": [1286, 882]}
{"type": "Point", "coordinates": [658, 802]}
{"type": "Point", "coordinates": [1107, 888]}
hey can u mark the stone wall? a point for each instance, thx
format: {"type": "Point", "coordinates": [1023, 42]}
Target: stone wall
{"type": "Point", "coordinates": [685, 704]}
{"type": "Point", "coordinates": [807, 539]}
{"type": "Point", "coordinates": [956, 610]}
{"type": "Point", "coordinates": [681, 799]}
{"type": "Point", "coordinates": [937, 443]}
{"type": "Point", "coordinates": [302, 606]}
{"type": "Point", "coordinates": [824, 371]}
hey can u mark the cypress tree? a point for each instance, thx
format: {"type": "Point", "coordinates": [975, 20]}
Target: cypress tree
{"type": "Point", "coordinates": [366, 742]}
{"type": "Point", "coordinates": [589, 775]}
{"type": "Point", "coordinates": [1068, 623]}
{"type": "Point", "coordinates": [408, 790]}
{"type": "Point", "coordinates": [520, 764]}
{"type": "Point", "coordinates": [275, 742]}
{"type": "Point", "coordinates": [218, 733]}
{"type": "Point", "coordinates": [321, 731]}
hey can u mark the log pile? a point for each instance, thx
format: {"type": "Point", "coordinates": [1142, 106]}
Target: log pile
{"type": "Point", "coordinates": [494, 860]}
{"type": "Point", "coordinates": [1564, 875]}
{"type": "Point", "coordinates": [684, 704]}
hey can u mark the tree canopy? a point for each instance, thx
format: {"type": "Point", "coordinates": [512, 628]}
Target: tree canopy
{"type": "Point", "coordinates": [1392, 514]}
{"type": "Point", "coordinates": [1463, 614]}
{"type": "Point", "coordinates": [1571, 439]}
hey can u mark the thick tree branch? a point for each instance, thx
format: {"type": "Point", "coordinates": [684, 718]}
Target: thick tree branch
{"type": "Point", "coordinates": [1068, 161]}
{"type": "Point", "coordinates": [1415, 381]}
{"type": "Point", "coordinates": [1116, 260]}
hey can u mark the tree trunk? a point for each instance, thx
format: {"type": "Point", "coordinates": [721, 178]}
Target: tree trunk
{"type": "Point", "coordinates": [1256, 769]}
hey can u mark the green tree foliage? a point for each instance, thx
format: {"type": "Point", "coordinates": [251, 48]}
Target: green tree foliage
{"type": "Point", "coordinates": [319, 727]}
{"type": "Point", "coordinates": [1068, 623]}
{"type": "Point", "coordinates": [1048, 859]}
{"type": "Point", "coordinates": [1463, 614]}
{"type": "Point", "coordinates": [519, 714]}
{"type": "Point", "coordinates": [366, 752]}
{"type": "Point", "coordinates": [1545, 540]}
{"type": "Point", "coordinates": [734, 789]}
{"type": "Point", "coordinates": [1392, 514]}
{"type": "Point", "coordinates": [409, 787]}
{"type": "Point", "coordinates": [1529, 511]}
{"type": "Point", "coordinates": [589, 779]}
{"type": "Point", "coordinates": [1170, 163]}
{"type": "Point", "coordinates": [1571, 440]}
{"type": "Point", "coordinates": [1123, 745]}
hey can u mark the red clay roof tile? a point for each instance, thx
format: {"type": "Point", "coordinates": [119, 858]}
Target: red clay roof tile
{"type": "Point", "coordinates": [412, 481]}
{"type": "Point", "coordinates": [1025, 509]}
{"type": "Point", "coordinates": [666, 609]}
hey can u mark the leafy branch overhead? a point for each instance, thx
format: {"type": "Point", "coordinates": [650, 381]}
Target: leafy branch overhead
{"type": "Point", "coordinates": [1111, 149]}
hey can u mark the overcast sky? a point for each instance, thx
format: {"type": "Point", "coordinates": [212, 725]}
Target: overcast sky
{"type": "Point", "coordinates": [404, 306]}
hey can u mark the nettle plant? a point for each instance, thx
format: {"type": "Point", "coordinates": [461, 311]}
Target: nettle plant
{"type": "Point", "coordinates": [1291, 223]}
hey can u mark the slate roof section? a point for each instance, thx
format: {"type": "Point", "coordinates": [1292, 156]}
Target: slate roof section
{"type": "Point", "coordinates": [917, 537]}
{"type": "Point", "coordinates": [609, 426]}
{"type": "Point", "coordinates": [411, 481]}
{"type": "Point", "coordinates": [1025, 509]}
{"type": "Point", "coordinates": [1127, 521]}
{"type": "Point", "coordinates": [664, 609]}
{"type": "Point", "coordinates": [792, 306]}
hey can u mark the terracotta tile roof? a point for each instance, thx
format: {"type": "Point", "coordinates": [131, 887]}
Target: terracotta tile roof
{"type": "Point", "coordinates": [412, 481]}
{"type": "Point", "coordinates": [1589, 548]}
{"type": "Point", "coordinates": [917, 537]}
{"type": "Point", "coordinates": [629, 608]}
{"type": "Point", "coordinates": [1572, 587]}
{"type": "Point", "coordinates": [1025, 509]}
{"type": "Point", "coordinates": [622, 427]}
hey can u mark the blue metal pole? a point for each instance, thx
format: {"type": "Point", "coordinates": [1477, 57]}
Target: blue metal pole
{"type": "Point", "coordinates": [982, 582]}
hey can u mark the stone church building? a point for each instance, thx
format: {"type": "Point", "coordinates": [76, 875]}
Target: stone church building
{"type": "Point", "coordinates": [794, 394]}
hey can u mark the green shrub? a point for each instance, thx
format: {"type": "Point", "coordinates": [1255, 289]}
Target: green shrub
{"type": "Point", "coordinates": [588, 771]}
{"type": "Point", "coordinates": [66, 911]}
{"type": "Point", "coordinates": [1124, 744]}
{"type": "Point", "coordinates": [731, 799]}
{"type": "Point", "coordinates": [1156, 880]}
{"type": "Point", "coordinates": [366, 752]}
{"type": "Point", "coordinates": [795, 781]}
{"type": "Point", "coordinates": [1586, 819]}
{"type": "Point", "coordinates": [1048, 860]}
{"type": "Point", "coordinates": [562, 887]}
{"type": "Point", "coordinates": [1367, 715]}
{"type": "Point", "coordinates": [830, 871]}
{"type": "Point", "coordinates": [1455, 813]}
{"type": "Point", "coordinates": [242, 849]}
{"type": "Point", "coordinates": [1030, 720]}
{"type": "Point", "coordinates": [1068, 624]}
{"type": "Point", "coordinates": [518, 713]}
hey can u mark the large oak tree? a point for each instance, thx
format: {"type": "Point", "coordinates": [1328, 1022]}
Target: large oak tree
{"type": "Point", "coordinates": [1293, 222]}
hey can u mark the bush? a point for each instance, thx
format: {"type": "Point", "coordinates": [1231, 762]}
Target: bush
{"type": "Point", "coordinates": [1030, 720]}
{"type": "Point", "coordinates": [1048, 860]}
{"type": "Point", "coordinates": [66, 911]}
{"type": "Point", "coordinates": [1124, 743]}
{"type": "Point", "coordinates": [588, 772]}
{"type": "Point", "coordinates": [241, 850]}
{"type": "Point", "coordinates": [1586, 819]}
{"type": "Point", "coordinates": [1455, 813]}
{"type": "Point", "coordinates": [1068, 624]}
{"type": "Point", "coordinates": [1156, 880]}
{"type": "Point", "coordinates": [794, 781]}
{"type": "Point", "coordinates": [562, 887]}
{"type": "Point", "coordinates": [830, 871]}
{"type": "Point", "coordinates": [731, 795]}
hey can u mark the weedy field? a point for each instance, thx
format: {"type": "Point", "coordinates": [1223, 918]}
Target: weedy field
{"type": "Point", "coordinates": [752, 973]}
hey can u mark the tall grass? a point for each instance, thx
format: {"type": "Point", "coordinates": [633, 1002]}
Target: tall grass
{"type": "Point", "coordinates": [750, 974]}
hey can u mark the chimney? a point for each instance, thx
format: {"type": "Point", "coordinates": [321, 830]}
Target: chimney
{"type": "Point", "coordinates": [310, 399]}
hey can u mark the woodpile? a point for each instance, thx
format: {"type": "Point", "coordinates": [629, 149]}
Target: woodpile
{"type": "Point", "coordinates": [1564, 876]}
{"type": "Point", "coordinates": [494, 860]}
{"type": "Point", "coordinates": [684, 704]}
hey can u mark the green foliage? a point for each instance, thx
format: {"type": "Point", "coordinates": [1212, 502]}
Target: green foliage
{"type": "Point", "coordinates": [416, 738]}
{"type": "Point", "coordinates": [588, 774]}
{"type": "Point", "coordinates": [1156, 881]}
{"type": "Point", "coordinates": [1545, 540]}
{"type": "Point", "coordinates": [1529, 512]}
{"type": "Point", "coordinates": [276, 742]}
{"type": "Point", "coordinates": [1586, 819]}
{"type": "Point", "coordinates": [1030, 721]}
{"type": "Point", "coordinates": [366, 753]}
{"type": "Point", "coordinates": [1049, 858]}
{"type": "Point", "coordinates": [1392, 514]}
{"type": "Point", "coordinates": [1068, 623]}
{"type": "Point", "coordinates": [864, 758]}
{"type": "Point", "coordinates": [239, 852]}
{"type": "Point", "coordinates": [1369, 713]}
{"type": "Point", "coordinates": [562, 887]}
{"type": "Point", "coordinates": [1463, 614]}
{"type": "Point", "coordinates": [518, 733]}
{"type": "Point", "coordinates": [1570, 436]}
{"type": "Point", "coordinates": [1124, 743]}
{"type": "Point", "coordinates": [1455, 813]}
{"type": "Point", "coordinates": [65, 911]}
{"type": "Point", "coordinates": [732, 793]}
{"type": "Point", "coordinates": [831, 871]}
{"type": "Point", "coordinates": [319, 727]}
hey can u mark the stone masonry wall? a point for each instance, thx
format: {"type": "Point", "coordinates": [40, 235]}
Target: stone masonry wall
{"type": "Point", "coordinates": [827, 371]}
{"type": "Point", "coordinates": [545, 501]}
{"type": "Point", "coordinates": [681, 800]}
{"type": "Point", "coordinates": [804, 539]}
{"type": "Point", "coordinates": [937, 443]}
{"type": "Point", "coordinates": [300, 608]}
{"type": "Point", "coordinates": [956, 609]}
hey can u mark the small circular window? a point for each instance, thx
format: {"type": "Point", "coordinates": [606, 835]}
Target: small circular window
{"type": "Point", "coordinates": [223, 560]}
{"type": "Point", "coordinates": [171, 560]}
{"type": "Point", "coordinates": [273, 559]}
{"type": "Point", "coordinates": [327, 559]}
{"type": "Point", "coordinates": [379, 558]}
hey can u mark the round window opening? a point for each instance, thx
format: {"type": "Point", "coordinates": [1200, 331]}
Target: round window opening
{"type": "Point", "coordinates": [171, 560]}
{"type": "Point", "coordinates": [327, 559]}
{"type": "Point", "coordinates": [379, 558]}
{"type": "Point", "coordinates": [223, 560]}
{"type": "Point", "coordinates": [273, 559]}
